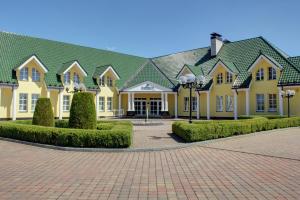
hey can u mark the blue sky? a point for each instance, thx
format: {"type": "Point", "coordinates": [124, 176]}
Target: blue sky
{"type": "Point", "coordinates": [154, 27]}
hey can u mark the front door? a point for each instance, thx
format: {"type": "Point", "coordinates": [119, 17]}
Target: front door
{"type": "Point", "coordinates": [140, 106]}
{"type": "Point", "coordinates": [155, 106]}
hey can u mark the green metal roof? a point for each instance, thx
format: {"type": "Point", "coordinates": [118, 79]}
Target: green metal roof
{"type": "Point", "coordinates": [238, 56]}
{"type": "Point", "coordinates": [15, 49]}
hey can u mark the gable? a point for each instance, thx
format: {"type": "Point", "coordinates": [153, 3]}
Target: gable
{"type": "Point", "coordinates": [33, 61]}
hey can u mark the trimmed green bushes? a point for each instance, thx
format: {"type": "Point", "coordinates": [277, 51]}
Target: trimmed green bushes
{"type": "Point", "coordinates": [206, 130]}
{"type": "Point", "coordinates": [43, 114]}
{"type": "Point", "coordinates": [83, 112]}
{"type": "Point", "coordinates": [119, 136]}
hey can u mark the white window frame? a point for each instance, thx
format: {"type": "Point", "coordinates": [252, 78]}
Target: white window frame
{"type": "Point", "coordinates": [67, 78]}
{"type": "Point", "coordinates": [109, 102]}
{"type": "Point", "coordinates": [272, 73]}
{"type": "Point", "coordinates": [36, 76]}
{"type": "Point", "coordinates": [220, 78]}
{"type": "Point", "coordinates": [24, 74]}
{"type": "Point", "coordinates": [34, 99]}
{"type": "Point", "coordinates": [229, 77]}
{"type": "Point", "coordinates": [219, 103]}
{"type": "Point", "coordinates": [272, 103]}
{"type": "Point", "coordinates": [186, 101]}
{"type": "Point", "coordinates": [101, 104]}
{"type": "Point", "coordinates": [76, 78]}
{"type": "Point", "coordinates": [260, 103]}
{"type": "Point", "coordinates": [260, 75]}
{"type": "Point", "coordinates": [23, 102]}
{"type": "Point", "coordinates": [194, 104]}
{"type": "Point", "coordinates": [109, 82]}
{"type": "Point", "coordinates": [229, 103]}
{"type": "Point", "coordinates": [66, 103]}
{"type": "Point", "coordinates": [102, 81]}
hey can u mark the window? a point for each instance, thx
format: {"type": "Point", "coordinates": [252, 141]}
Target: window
{"type": "Point", "coordinates": [272, 73]}
{"type": "Point", "coordinates": [66, 103]}
{"type": "Point", "coordinates": [67, 78]}
{"type": "Point", "coordinates": [35, 75]}
{"type": "Point", "coordinates": [272, 102]}
{"type": "Point", "coordinates": [260, 103]}
{"type": "Point", "coordinates": [23, 102]}
{"type": "Point", "coordinates": [102, 81]}
{"type": "Point", "coordinates": [34, 99]}
{"type": "Point", "coordinates": [186, 104]}
{"type": "Point", "coordinates": [228, 77]}
{"type": "Point", "coordinates": [229, 103]}
{"type": "Point", "coordinates": [76, 78]}
{"type": "Point", "coordinates": [194, 103]}
{"type": "Point", "coordinates": [109, 82]}
{"type": "Point", "coordinates": [260, 74]}
{"type": "Point", "coordinates": [220, 78]}
{"type": "Point", "coordinates": [219, 104]}
{"type": "Point", "coordinates": [109, 104]}
{"type": "Point", "coordinates": [24, 74]}
{"type": "Point", "coordinates": [101, 104]}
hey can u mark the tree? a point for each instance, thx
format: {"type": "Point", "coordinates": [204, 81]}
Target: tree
{"type": "Point", "coordinates": [43, 114]}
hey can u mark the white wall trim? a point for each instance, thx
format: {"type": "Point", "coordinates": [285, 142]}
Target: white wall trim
{"type": "Point", "coordinates": [216, 66]}
{"type": "Point", "coordinates": [113, 71]}
{"type": "Point", "coordinates": [78, 65]}
{"type": "Point", "coordinates": [280, 101]}
{"type": "Point", "coordinates": [14, 104]}
{"type": "Point", "coordinates": [262, 57]}
{"type": "Point", "coordinates": [35, 59]}
{"type": "Point", "coordinates": [157, 88]}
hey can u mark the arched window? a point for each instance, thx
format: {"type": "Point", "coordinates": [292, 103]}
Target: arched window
{"type": "Point", "coordinates": [272, 73]}
{"type": "Point", "coordinates": [260, 74]}
{"type": "Point", "coordinates": [35, 75]}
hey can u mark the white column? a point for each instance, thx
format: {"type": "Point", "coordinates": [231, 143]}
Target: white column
{"type": "Point", "coordinates": [247, 103]}
{"type": "Point", "coordinates": [166, 102]}
{"type": "Point", "coordinates": [120, 99]}
{"type": "Point", "coordinates": [280, 101]}
{"type": "Point", "coordinates": [176, 105]}
{"type": "Point", "coordinates": [48, 94]}
{"type": "Point", "coordinates": [14, 103]}
{"type": "Point", "coordinates": [235, 105]}
{"type": "Point", "coordinates": [162, 102]}
{"type": "Point", "coordinates": [97, 103]}
{"type": "Point", "coordinates": [60, 96]}
{"type": "Point", "coordinates": [132, 102]}
{"type": "Point", "coordinates": [198, 105]}
{"type": "Point", "coordinates": [129, 101]}
{"type": "Point", "coordinates": [208, 105]}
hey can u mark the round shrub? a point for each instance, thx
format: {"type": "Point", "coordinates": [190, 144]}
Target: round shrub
{"type": "Point", "coordinates": [83, 112]}
{"type": "Point", "coordinates": [43, 114]}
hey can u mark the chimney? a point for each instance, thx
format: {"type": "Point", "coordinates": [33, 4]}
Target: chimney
{"type": "Point", "coordinates": [216, 43]}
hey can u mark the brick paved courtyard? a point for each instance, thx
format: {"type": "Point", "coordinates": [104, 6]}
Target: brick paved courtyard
{"type": "Point", "coordinates": [28, 172]}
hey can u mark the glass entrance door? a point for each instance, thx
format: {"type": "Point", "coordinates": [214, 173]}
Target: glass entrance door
{"type": "Point", "coordinates": [155, 106]}
{"type": "Point", "coordinates": [140, 106]}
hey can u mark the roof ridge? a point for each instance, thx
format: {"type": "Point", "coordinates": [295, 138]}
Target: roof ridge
{"type": "Point", "coordinates": [161, 72]}
{"type": "Point", "coordinates": [294, 57]}
{"type": "Point", "coordinates": [267, 42]}
{"type": "Point", "coordinates": [179, 52]}
{"type": "Point", "coordinates": [68, 43]}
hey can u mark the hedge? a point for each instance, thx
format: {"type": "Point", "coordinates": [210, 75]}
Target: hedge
{"type": "Point", "coordinates": [83, 111]}
{"type": "Point", "coordinates": [119, 136]}
{"type": "Point", "coordinates": [43, 113]}
{"type": "Point", "coordinates": [206, 130]}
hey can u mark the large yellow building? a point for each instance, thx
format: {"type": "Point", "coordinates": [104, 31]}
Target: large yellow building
{"type": "Point", "coordinates": [244, 77]}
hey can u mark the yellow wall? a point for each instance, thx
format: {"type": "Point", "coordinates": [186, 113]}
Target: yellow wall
{"type": "Point", "coordinates": [265, 87]}
{"type": "Point", "coordinates": [29, 87]}
{"type": "Point", "coordinates": [5, 102]}
{"type": "Point", "coordinates": [220, 90]}
{"type": "Point", "coordinates": [294, 102]}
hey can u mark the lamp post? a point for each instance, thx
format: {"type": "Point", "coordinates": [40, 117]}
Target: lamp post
{"type": "Point", "coordinates": [77, 88]}
{"type": "Point", "coordinates": [288, 94]}
{"type": "Point", "coordinates": [190, 81]}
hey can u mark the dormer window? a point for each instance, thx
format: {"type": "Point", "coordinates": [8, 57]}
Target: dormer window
{"type": "Point", "coordinates": [272, 73]}
{"type": "Point", "coordinates": [36, 76]}
{"type": "Point", "coordinates": [67, 78]}
{"type": "Point", "coordinates": [109, 82]}
{"type": "Point", "coordinates": [102, 81]}
{"type": "Point", "coordinates": [260, 74]}
{"type": "Point", "coordinates": [76, 78]}
{"type": "Point", "coordinates": [24, 74]}
{"type": "Point", "coordinates": [220, 78]}
{"type": "Point", "coordinates": [228, 77]}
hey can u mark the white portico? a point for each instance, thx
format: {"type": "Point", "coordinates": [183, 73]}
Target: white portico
{"type": "Point", "coordinates": [148, 97]}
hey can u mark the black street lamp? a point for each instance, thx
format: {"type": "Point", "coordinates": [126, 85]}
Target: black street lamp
{"type": "Point", "coordinates": [190, 81]}
{"type": "Point", "coordinates": [288, 94]}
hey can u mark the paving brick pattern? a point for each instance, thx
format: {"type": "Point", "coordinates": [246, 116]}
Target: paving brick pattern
{"type": "Point", "coordinates": [28, 172]}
